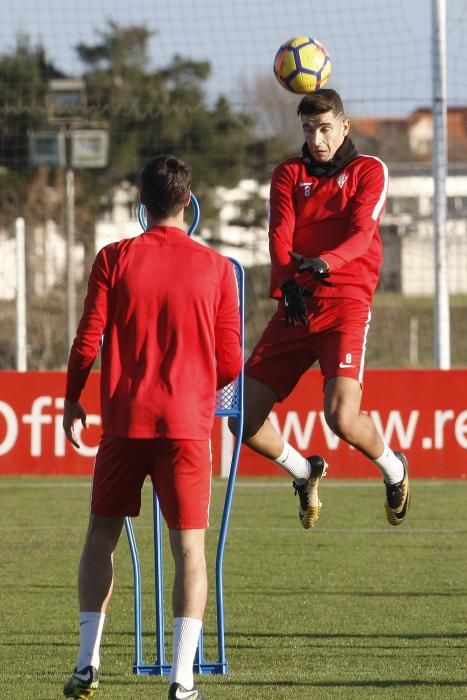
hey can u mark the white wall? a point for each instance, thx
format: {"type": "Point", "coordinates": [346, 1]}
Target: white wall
{"type": "Point", "coordinates": [250, 245]}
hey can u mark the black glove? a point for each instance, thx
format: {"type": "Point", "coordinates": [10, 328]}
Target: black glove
{"type": "Point", "coordinates": [317, 268]}
{"type": "Point", "coordinates": [295, 307]}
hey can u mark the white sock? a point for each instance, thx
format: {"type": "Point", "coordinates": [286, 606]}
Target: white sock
{"type": "Point", "coordinates": [293, 463]}
{"type": "Point", "coordinates": [186, 637]}
{"type": "Point", "coordinates": [90, 632]}
{"type": "Point", "coordinates": [390, 466]}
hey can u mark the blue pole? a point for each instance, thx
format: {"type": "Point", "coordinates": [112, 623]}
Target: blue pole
{"type": "Point", "coordinates": [137, 594]}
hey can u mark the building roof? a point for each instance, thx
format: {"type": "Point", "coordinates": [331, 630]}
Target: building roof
{"type": "Point", "coordinates": [374, 127]}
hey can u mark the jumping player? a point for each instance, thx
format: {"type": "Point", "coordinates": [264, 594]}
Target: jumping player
{"type": "Point", "coordinates": [168, 310]}
{"type": "Point", "coordinates": [326, 252]}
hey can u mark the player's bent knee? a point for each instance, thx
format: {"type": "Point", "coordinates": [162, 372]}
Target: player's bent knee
{"type": "Point", "coordinates": [341, 424]}
{"type": "Point", "coordinates": [232, 423]}
{"type": "Point", "coordinates": [250, 427]}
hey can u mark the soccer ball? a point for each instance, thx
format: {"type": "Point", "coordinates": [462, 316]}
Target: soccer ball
{"type": "Point", "coordinates": [302, 65]}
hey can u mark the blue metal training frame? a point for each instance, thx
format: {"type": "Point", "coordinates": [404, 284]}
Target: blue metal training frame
{"type": "Point", "coordinates": [193, 226]}
{"type": "Point", "coordinates": [229, 402]}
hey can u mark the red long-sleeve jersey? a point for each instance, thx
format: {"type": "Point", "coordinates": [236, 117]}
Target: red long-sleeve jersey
{"type": "Point", "coordinates": [335, 218]}
{"type": "Point", "coordinates": [167, 310]}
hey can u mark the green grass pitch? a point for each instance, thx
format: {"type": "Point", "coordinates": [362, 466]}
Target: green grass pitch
{"type": "Point", "coordinates": [350, 609]}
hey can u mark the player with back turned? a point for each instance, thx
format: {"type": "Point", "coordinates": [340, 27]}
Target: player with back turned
{"type": "Point", "coordinates": [325, 207]}
{"type": "Point", "coordinates": [168, 309]}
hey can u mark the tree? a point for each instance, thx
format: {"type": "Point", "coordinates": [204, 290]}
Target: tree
{"type": "Point", "coordinates": [24, 77]}
{"type": "Point", "coordinates": [164, 110]}
{"type": "Point", "coordinates": [145, 111]}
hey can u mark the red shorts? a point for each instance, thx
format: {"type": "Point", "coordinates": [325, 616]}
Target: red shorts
{"type": "Point", "coordinates": [335, 336]}
{"type": "Point", "coordinates": [180, 472]}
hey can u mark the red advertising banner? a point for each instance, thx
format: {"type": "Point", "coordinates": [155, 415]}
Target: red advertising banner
{"type": "Point", "coordinates": [421, 412]}
{"type": "Point", "coordinates": [32, 440]}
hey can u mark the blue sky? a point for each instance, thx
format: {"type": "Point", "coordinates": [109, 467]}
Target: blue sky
{"type": "Point", "coordinates": [380, 49]}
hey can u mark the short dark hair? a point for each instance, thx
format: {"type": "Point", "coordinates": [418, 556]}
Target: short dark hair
{"type": "Point", "coordinates": [321, 101]}
{"type": "Point", "coordinates": [165, 185]}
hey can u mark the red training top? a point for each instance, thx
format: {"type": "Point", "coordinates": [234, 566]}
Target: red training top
{"type": "Point", "coordinates": [335, 218]}
{"type": "Point", "coordinates": [168, 309]}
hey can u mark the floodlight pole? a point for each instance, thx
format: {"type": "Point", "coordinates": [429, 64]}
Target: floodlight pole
{"type": "Point", "coordinates": [441, 325]}
{"type": "Point", "coordinates": [70, 257]}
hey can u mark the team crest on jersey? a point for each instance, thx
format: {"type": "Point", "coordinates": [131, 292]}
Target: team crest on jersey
{"type": "Point", "coordinates": [306, 188]}
{"type": "Point", "coordinates": [342, 179]}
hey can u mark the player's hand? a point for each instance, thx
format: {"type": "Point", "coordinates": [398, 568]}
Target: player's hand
{"type": "Point", "coordinates": [71, 412]}
{"type": "Point", "coordinates": [317, 267]}
{"type": "Point", "coordinates": [295, 307]}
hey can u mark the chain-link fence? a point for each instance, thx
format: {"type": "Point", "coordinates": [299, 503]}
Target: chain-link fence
{"type": "Point", "coordinates": [91, 90]}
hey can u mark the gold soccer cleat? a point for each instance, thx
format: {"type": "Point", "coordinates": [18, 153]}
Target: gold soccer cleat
{"type": "Point", "coordinates": [82, 684]}
{"type": "Point", "coordinates": [310, 505]}
{"type": "Point", "coordinates": [398, 496]}
{"type": "Point", "coordinates": [178, 692]}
